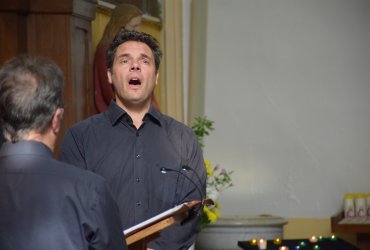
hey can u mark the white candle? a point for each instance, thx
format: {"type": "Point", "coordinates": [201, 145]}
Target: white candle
{"type": "Point", "coordinates": [262, 244]}
{"type": "Point", "coordinates": [313, 239]}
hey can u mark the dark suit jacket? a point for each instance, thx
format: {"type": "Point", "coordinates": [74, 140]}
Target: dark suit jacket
{"type": "Point", "coordinates": [47, 204]}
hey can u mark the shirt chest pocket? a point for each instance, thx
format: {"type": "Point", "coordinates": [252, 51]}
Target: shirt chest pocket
{"type": "Point", "coordinates": [166, 186]}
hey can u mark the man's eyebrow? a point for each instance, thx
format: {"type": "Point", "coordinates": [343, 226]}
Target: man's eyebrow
{"type": "Point", "coordinates": [142, 55]}
{"type": "Point", "coordinates": [123, 55]}
{"type": "Point", "coordinates": [145, 56]}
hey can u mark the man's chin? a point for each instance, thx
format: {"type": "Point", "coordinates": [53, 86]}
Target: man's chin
{"type": "Point", "coordinates": [136, 103]}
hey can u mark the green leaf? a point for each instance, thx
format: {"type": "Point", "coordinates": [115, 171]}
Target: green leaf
{"type": "Point", "coordinates": [202, 127]}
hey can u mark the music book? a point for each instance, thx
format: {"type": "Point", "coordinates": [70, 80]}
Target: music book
{"type": "Point", "coordinates": [161, 221]}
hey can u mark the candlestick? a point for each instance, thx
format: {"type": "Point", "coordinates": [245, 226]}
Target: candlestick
{"type": "Point", "coordinates": [262, 244]}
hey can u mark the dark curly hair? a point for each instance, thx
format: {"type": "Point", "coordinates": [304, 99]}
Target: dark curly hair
{"type": "Point", "coordinates": [136, 36]}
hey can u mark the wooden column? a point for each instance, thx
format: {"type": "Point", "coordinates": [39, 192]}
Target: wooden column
{"type": "Point", "coordinates": [61, 31]}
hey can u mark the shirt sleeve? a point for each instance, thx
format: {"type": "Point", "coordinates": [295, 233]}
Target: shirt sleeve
{"type": "Point", "coordinates": [182, 236]}
{"type": "Point", "coordinates": [71, 150]}
{"type": "Point", "coordinates": [107, 233]}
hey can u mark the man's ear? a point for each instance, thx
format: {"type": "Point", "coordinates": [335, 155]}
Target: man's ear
{"type": "Point", "coordinates": [57, 120]}
{"type": "Point", "coordinates": [156, 78]}
{"type": "Point", "coordinates": [109, 75]}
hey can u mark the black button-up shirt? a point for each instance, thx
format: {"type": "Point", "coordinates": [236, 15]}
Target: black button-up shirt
{"type": "Point", "coordinates": [130, 159]}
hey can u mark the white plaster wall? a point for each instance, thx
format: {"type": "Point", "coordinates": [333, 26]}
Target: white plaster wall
{"type": "Point", "coordinates": [288, 86]}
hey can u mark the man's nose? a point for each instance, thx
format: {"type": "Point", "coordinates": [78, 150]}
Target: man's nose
{"type": "Point", "coordinates": [135, 66]}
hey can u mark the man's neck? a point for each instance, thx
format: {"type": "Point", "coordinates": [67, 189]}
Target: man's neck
{"type": "Point", "coordinates": [137, 118]}
{"type": "Point", "coordinates": [47, 138]}
{"type": "Point", "coordinates": [136, 112]}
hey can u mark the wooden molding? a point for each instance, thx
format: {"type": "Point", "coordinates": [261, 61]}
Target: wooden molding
{"type": "Point", "coordinates": [171, 69]}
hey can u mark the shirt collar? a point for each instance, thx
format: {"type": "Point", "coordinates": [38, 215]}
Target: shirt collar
{"type": "Point", "coordinates": [25, 147]}
{"type": "Point", "coordinates": [115, 114]}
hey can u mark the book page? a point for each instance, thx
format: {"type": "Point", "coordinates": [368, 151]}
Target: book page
{"type": "Point", "coordinates": [172, 211]}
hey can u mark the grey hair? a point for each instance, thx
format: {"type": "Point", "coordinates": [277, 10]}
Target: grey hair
{"type": "Point", "coordinates": [31, 89]}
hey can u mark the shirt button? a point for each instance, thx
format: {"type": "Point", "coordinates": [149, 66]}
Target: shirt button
{"type": "Point", "coordinates": [138, 203]}
{"type": "Point", "coordinates": [137, 179]}
{"type": "Point", "coordinates": [138, 156]}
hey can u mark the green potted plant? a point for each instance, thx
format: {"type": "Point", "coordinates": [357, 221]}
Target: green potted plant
{"type": "Point", "coordinates": [218, 178]}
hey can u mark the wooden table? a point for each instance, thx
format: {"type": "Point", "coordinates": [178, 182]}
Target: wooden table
{"type": "Point", "coordinates": [362, 231]}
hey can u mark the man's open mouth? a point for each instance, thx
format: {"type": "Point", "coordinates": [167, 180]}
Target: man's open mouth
{"type": "Point", "coordinates": [134, 81]}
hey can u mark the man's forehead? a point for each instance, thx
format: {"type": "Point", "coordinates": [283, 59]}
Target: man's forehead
{"type": "Point", "coordinates": [134, 48]}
